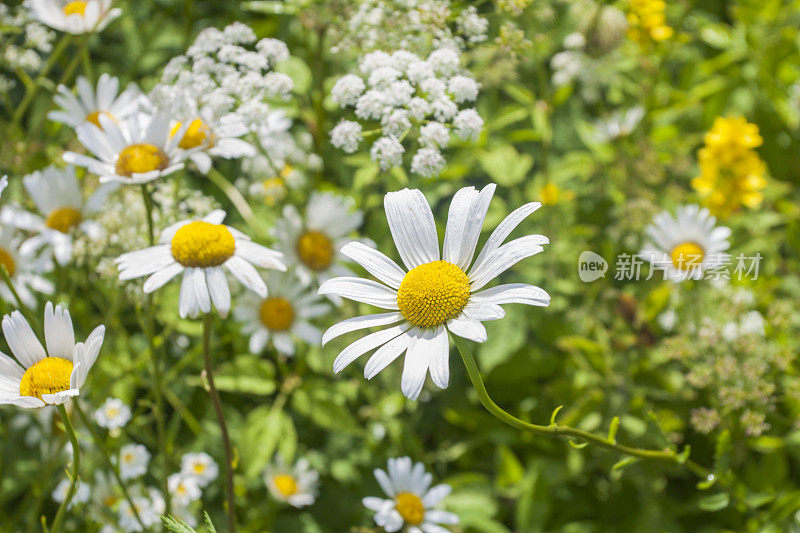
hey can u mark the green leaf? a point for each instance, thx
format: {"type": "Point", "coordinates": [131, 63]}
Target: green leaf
{"type": "Point", "coordinates": [176, 524]}
{"type": "Point", "coordinates": [295, 68]}
{"type": "Point", "coordinates": [612, 430]}
{"type": "Point", "coordinates": [505, 165]}
{"type": "Point", "coordinates": [714, 502]}
{"type": "Point", "coordinates": [622, 463]}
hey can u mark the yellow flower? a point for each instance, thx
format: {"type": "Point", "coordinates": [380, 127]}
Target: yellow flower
{"type": "Point", "coordinates": [551, 194]}
{"type": "Point", "coordinates": [647, 22]}
{"type": "Point", "coordinates": [731, 171]}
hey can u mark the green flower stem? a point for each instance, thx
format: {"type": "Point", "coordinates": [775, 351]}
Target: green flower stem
{"type": "Point", "coordinates": [238, 201]}
{"type": "Point", "coordinates": [226, 441]}
{"type": "Point", "coordinates": [158, 404]}
{"type": "Point", "coordinates": [554, 429]}
{"type": "Point", "coordinates": [111, 466]}
{"type": "Point", "coordinates": [76, 462]}
{"type": "Point", "coordinates": [29, 316]}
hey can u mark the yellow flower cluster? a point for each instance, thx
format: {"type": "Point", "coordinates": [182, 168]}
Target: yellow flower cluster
{"type": "Point", "coordinates": [731, 171]}
{"type": "Point", "coordinates": [647, 22]}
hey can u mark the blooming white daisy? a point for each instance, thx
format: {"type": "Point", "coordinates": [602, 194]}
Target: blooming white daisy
{"type": "Point", "coordinates": [133, 461]}
{"type": "Point", "coordinates": [207, 136]}
{"type": "Point", "coordinates": [58, 197]}
{"type": "Point", "coordinates": [73, 16]}
{"type": "Point", "coordinates": [25, 271]}
{"type": "Point", "coordinates": [137, 150]}
{"type": "Point", "coordinates": [183, 489]}
{"type": "Point", "coordinates": [113, 414]}
{"type": "Point", "coordinates": [295, 485]}
{"type": "Point", "coordinates": [81, 493]}
{"type": "Point", "coordinates": [412, 501]}
{"type": "Point", "coordinates": [149, 507]}
{"type": "Point", "coordinates": [90, 103]}
{"type": "Point", "coordinates": [687, 245]}
{"type": "Point", "coordinates": [313, 242]}
{"type": "Point", "coordinates": [437, 293]}
{"type": "Point", "coordinates": [283, 315]}
{"type": "Point", "coordinates": [199, 249]}
{"type": "Point", "coordinates": [199, 466]}
{"type": "Point", "coordinates": [48, 377]}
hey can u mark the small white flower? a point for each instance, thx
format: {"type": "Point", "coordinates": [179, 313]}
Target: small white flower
{"type": "Point", "coordinates": [283, 316]}
{"type": "Point", "coordinates": [200, 249]}
{"type": "Point", "coordinates": [274, 50]}
{"type": "Point", "coordinates": [133, 461]}
{"type": "Point", "coordinates": [434, 134]}
{"type": "Point", "coordinates": [81, 493]}
{"type": "Point", "coordinates": [347, 89]}
{"type": "Point", "coordinates": [427, 162]}
{"type": "Point", "coordinates": [149, 507]}
{"type": "Point", "coordinates": [463, 88]}
{"type": "Point", "coordinates": [113, 414]}
{"type": "Point", "coordinates": [685, 246]}
{"type": "Point", "coordinates": [73, 16]}
{"type": "Point", "coordinates": [295, 485]}
{"type": "Point", "coordinates": [419, 108]}
{"type": "Point", "coordinates": [412, 501]}
{"type": "Point", "coordinates": [574, 41]}
{"type": "Point", "coordinates": [438, 293]}
{"type": "Point", "coordinates": [371, 105]}
{"type": "Point", "coordinates": [444, 61]}
{"type": "Point", "coordinates": [90, 103]}
{"type": "Point", "coordinates": [375, 60]}
{"type": "Point", "coordinates": [396, 124]}
{"type": "Point", "coordinates": [183, 489]}
{"type": "Point", "coordinates": [48, 377]}
{"type": "Point", "coordinates": [444, 109]}
{"type": "Point", "coordinates": [201, 467]}
{"type": "Point", "coordinates": [387, 152]}
{"type": "Point", "coordinates": [468, 124]}
{"type": "Point", "coordinates": [346, 135]}
{"type": "Point", "coordinates": [382, 77]}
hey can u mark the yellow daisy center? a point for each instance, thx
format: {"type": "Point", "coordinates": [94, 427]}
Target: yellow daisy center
{"type": "Point", "coordinates": [78, 6]}
{"type": "Point", "coordinates": [686, 255]}
{"type": "Point", "coordinates": [276, 313]}
{"type": "Point", "coordinates": [433, 293]}
{"type": "Point", "coordinates": [7, 261]}
{"type": "Point", "coordinates": [410, 508]}
{"type": "Point", "coordinates": [196, 134]}
{"type": "Point", "coordinates": [201, 244]}
{"type": "Point", "coordinates": [63, 219]}
{"type": "Point", "coordinates": [48, 376]}
{"type": "Point", "coordinates": [315, 250]}
{"type": "Point", "coordinates": [110, 500]}
{"type": "Point", "coordinates": [199, 468]}
{"type": "Point", "coordinates": [285, 484]}
{"type": "Point", "coordinates": [94, 117]}
{"type": "Point", "coordinates": [112, 412]}
{"type": "Point", "coordinates": [141, 158]}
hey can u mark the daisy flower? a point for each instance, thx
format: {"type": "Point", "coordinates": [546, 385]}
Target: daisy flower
{"type": "Point", "coordinates": [90, 103]}
{"type": "Point", "coordinates": [62, 489]}
{"type": "Point", "coordinates": [199, 466]}
{"type": "Point", "coordinates": [184, 489]}
{"type": "Point", "coordinates": [113, 414]}
{"type": "Point", "coordinates": [437, 293]}
{"type": "Point", "coordinates": [208, 137]}
{"type": "Point", "coordinates": [73, 16]}
{"type": "Point", "coordinates": [313, 241]}
{"type": "Point", "coordinates": [282, 316]}
{"type": "Point", "coordinates": [25, 271]}
{"type": "Point", "coordinates": [137, 150]}
{"type": "Point", "coordinates": [133, 460]}
{"type": "Point", "coordinates": [295, 485]}
{"type": "Point", "coordinates": [45, 377]}
{"type": "Point", "coordinates": [149, 507]}
{"type": "Point", "coordinates": [199, 249]}
{"type": "Point", "coordinates": [412, 502]}
{"type": "Point", "coordinates": [687, 245]}
{"type": "Point", "coordinates": [59, 199]}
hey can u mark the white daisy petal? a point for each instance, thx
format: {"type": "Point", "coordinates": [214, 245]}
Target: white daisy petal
{"type": "Point", "coordinates": [387, 353]}
{"type": "Point", "coordinates": [415, 366]}
{"type": "Point", "coordinates": [519, 293]}
{"type": "Point", "coordinates": [375, 263]}
{"type": "Point", "coordinates": [21, 339]}
{"type": "Point", "coordinates": [504, 258]}
{"type": "Point", "coordinates": [361, 290]}
{"type": "Point", "coordinates": [503, 230]}
{"type": "Point", "coordinates": [412, 226]}
{"type": "Point", "coordinates": [218, 290]}
{"type": "Point", "coordinates": [468, 329]}
{"type": "Point", "coordinates": [360, 322]}
{"type": "Point", "coordinates": [365, 344]}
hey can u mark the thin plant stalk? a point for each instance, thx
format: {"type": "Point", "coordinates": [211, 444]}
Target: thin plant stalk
{"type": "Point", "coordinates": [226, 441]}
{"type": "Point", "coordinates": [76, 461]}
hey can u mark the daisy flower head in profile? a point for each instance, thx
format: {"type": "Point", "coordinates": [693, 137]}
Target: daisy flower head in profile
{"type": "Point", "coordinates": [411, 502]}
{"type": "Point", "coordinates": [73, 16]}
{"type": "Point", "coordinates": [201, 467]}
{"type": "Point", "coordinates": [48, 376]}
{"type": "Point", "coordinates": [312, 242]}
{"type": "Point", "coordinates": [201, 250]}
{"type": "Point", "coordinates": [113, 414]}
{"type": "Point", "coordinates": [90, 102]}
{"type": "Point", "coordinates": [206, 136]}
{"type": "Point", "coordinates": [686, 245]}
{"type": "Point", "coordinates": [25, 271]}
{"type": "Point", "coordinates": [436, 293]}
{"type": "Point", "coordinates": [295, 485]}
{"type": "Point", "coordinates": [63, 212]}
{"type": "Point", "coordinates": [283, 316]}
{"type": "Point", "coordinates": [137, 150]}
{"type": "Point", "coordinates": [133, 461]}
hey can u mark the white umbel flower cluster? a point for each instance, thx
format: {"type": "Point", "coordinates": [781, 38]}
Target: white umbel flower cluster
{"type": "Point", "coordinates": [402, 96]}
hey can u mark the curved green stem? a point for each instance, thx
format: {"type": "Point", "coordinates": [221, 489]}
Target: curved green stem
{"type": "Point", "coordinates": [226, 440]}
{"type": "Point", "coordinates": [109, 464]}
{"type": "Point", "coordinates": [554, 429]}
{"type": "Point", "coordinates": [238, 201]}
{"type": "Point", "coordinates": [76, 461]}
